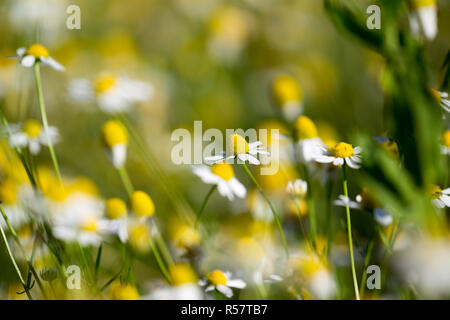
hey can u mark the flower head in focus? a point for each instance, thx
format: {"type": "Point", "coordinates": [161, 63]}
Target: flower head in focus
{"type": "Point", "coordinates": [442, 98]}
{"type": "Point", "coordinates": [222, 282]}
{"type": "Point", "coordinates": [32, 135]}
{"type": "Point", "coordinates": [342, 153]}
{"type": "Point", "coordinates": [222, 175]}
{"type": "Point", "coordinates": [440, 198]}
{"type": "Point", "coordinates": [36, 53]}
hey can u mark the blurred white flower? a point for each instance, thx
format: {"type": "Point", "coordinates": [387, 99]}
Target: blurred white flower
{"type": "Point", "coordinates": [113, 93]}
{"type": "Point", "coordinates": [297, 188]}
{"type": "Point", "coordinates": [187, 291]}
{"type": "Point", "coordinates": [344, 201]}
{"type": "Point", "coordinates": [36, 53]}
{"type": "Point", "coordinates": [423, 18]}
{"type": "Point", "coordinates": [32, 135]}
{"type": "Point", "coordinates": [222, 175]}
{"type": "Point", "coordinates": [222, 282]}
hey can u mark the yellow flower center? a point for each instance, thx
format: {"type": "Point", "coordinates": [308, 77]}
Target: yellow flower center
{"type": "Point", "coordinates": [223, 170]}
{"type": "Point", "coordinates": [103, 83]}
{"type": "Point", "coordinates": [32, 128]}
{"type": "Point", "coordinates": [217, 277]}
{"type": "Point", "coordinates": [305, 128]}
{"type": "Point", "coordinates": [116, 208]}
{"type": "Point", "coordinates": [187, 238]}
{"type": "Point", "coordinates": [238, 144]}
{"type": "Point", "coordinates": [90, 225]}
{"type": "Point", "coordinates": [343, 150]}
{"type": "Point", "coordinates": [182, 274]}
{"type": "Point", "coordinates": [114, 133]}
{"type": "Point", "coordinates": [436, 192]}
{"type": "Point", "coordinates": [286, 89]}
{"type": "Point", "coordinates": [423, 3]}
{"type": "Point", "coordinates": [8, 194]}
{"type": "Point", "coordinates": [37, 51]}
{"type": "Point", "coordinates": [446, 138]}
{"type": "Point", "coordinates": [121, 291]}
{"type": "Point", "coordinates": [142, 204]}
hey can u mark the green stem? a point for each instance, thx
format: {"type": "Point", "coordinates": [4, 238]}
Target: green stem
{"type": "Point", "coordinates": [311, 209]}
{"type": "Point", "coordinates": [97, 262]}
{"type": "Point", "coordinates": [329, 216]}
{"type": "Point", "coordinates": [366, 264]}
{"type": "Point", "coordinates": [202, 208]}
{"type": "Point", "coordinates": [13, 261]}
{"type": "Point", "coordinates": [125, 180]}
{"type": "Point", "coordinates": [349, 231]}
{"type": "Point", "coordinates": [275, 215]}
{"type": "Point", "coordinates": [160, 262]}
{"type": "Point", "coordinates": [37, 74]}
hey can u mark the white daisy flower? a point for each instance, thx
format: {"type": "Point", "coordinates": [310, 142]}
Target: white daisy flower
{"type": "Point", "coordinates": [32, 135]}
{"type": "Point", "coordinates": [240, 149]}
{"type": "Point", "coordinates": [440, 198]}
{"type": "Point", "coordinates": [222, 175]}
{"type": "Point", "coordinates": [36, 53]}
{"type": "Point", "coordinates": [82, 223]}
{"type": "Point", "coordinates": [344, 201]}
{"type": "Point", "coordinates": [187, 291]}
{"type": "Point", "coordinates": [423, 18]}
{"type": "Point", "coordinates": [342, 153]}
{"type": "Point", "coordinates": [297, 188]}
{"type": "Point", "coordinates": [115, 138]}
{"type": "Point", "coordinates": [382, 217]}
{"type": "Point", "coordinates": [113, 93]}
{"type": "Point", "coordinates": [222, 282]}
{"type": "Point", "coordinates": [443, 99]}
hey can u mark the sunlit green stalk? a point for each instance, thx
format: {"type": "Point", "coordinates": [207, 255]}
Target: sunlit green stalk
{"type": "Point", "coordinates": [126, 180]}
{"type": "Point", "coordinates": [349, 231]}
{"type": "Point", "coordinates": [37, 74]}
{"type": "Point", "coordinates": [202, 208]}
{"type": "Point", "coordinates": [160, 262]}
{"type": "Point", "coordinates": [275, 215]}
{"type": "Point", "coordinates": [366, 264]}
{"type": "Point", "coordinates": [311, 209]}
{"type": "Point", "coordinates": [97, 262]}
{"type": "Point", "coordinates": [13, 261]}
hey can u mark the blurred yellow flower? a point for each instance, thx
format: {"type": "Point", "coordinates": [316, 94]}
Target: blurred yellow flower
{"type": "Point", "coordinates": [116, 208]}
{"type": "Point", "coordinates": [182, 274]}
{"type": "Point", "coordinates": [122, 291]}
{"type": "Point", "coordinates": [141, 204]}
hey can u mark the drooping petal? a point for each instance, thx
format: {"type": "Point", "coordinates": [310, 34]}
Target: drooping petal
{"type": "Point", "coordinates": [225, 290]}
{"type": "Point", "coordinates": [237, 188]}
{"type": "Point", "coordinates": [324, 159]}
{"type": "Point", "coordinates": [28, 61]}
{"type": "Point", "coordinates": [236, 283]}
{"type": "Point", "coordinates": [53, 63]}
{"type": "Point", "coordinates": [382, 217]}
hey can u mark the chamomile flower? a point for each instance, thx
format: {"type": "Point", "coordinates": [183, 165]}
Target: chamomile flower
{"type": "Point", "coordinates": [32, 135]}
{"type": "Point", "coordinates": [82, 223]}
{"type": "Point", "coordinates": [36, 53]}
{"type": "Point", "coordinates": [123, 291]}
{"type": "Point", "coordinates": [288, 96]}
{"type": "Point", "coordinates": [344, 201]}
{"type": "Point", "coordinates": [222, 282]}
{"type": "Point", "coordinates": [113, 93]}
{"type": "Point", "coordinates": [115, 138]}
{"type": "Point", "coordinates": [141, 204]}
{"type": "Point", "coordinates": [240, 149]}
{"type": "Point", "coordinates": [309, 144]}
{"type": "Point", "coordinates": [297, 188]}
{"type": "Point", "coordinates": [222, 175]}
{"type": "Point", "coordinates": [445, 143]}
{"type": "Point", "coordinates": [443, 98]}
{"type": "Point", "coordinates": [342, 153]}
{"type": "Point", "coordinates": [423, 18]}
{"type": "Point", "coordinates": [116, 212]}
{"type": "Point", "coordinates": [440, 198]}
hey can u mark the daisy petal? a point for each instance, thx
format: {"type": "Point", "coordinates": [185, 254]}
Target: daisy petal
{"type": "Point", "coordinates": [225, 290]}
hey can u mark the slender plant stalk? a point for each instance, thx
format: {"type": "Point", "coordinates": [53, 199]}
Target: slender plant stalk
{"type": "Point", "coordinates": [349, 231]}
{"type": "Point", "coordinates": [329, 224]}
{"type": "Point", "coordinates": [97, 262]}
{"type": "Point", "coordinates": [366, 264]}
{"type": "Point", "coordinates": [302, 225]}
{"type": "Point", "coordinates": [274, 212]}
{"type": "Point", "coordinates": [311, 209]}
{"type": "Point", "coordinates": [126, 180]}
{"type": "Point", "coordinates": [37, 74]}
{"type": "Point", "coordinates": [13, 261]}
{"type": "Point", "coordinates": [160, 262]}
{"type": "Point", "coordinates": [202, 208]}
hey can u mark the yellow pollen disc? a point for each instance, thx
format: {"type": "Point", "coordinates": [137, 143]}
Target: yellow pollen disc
{"type": "Point", "coordinates": [37, 51]}
{"type": "Point", "coordinates": [435, 94]}
{"type": "Point", "coordinates": [286, 89]}
{"type": "Point", "coordinates": [181, 274]}
{"type": "Point", "coordinates": [8, 194]}
{"type": "Point", "coordinates": [343, 150]}
{"type": "Point", "coordinates": [436, 192]}
{"type": "Point", "coordinates": [141, 204]}
{"type": "Point", "coordinates": [121, 291]}
{"type": "Point", "coordinates": [217, 277]}
{"type": "Point", "coordinates": [90, 225]}
{"type": "Point", "coordinates": [446, 138]}
{"type": "Point", "coordinates": [104, 83]}
{"type": "Point", "coordinates": [187, 238]}
{"type": "Point", "coordinates": [423, 3]}
{"type": "Point", "coordinates": [238, 144]}
{"type": "Point", "coordinates": [223, 170]}
{"type": "Point", "coordinates": [305, 128]}
{"type": "Point", "coordinates": [116, 208]}
{"type": "Point", "coordinates": [114, 133]}
{"type": "Point", "coordinates": [140, 236]}
{"type": "Point", "coordinates": [32, 128]}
